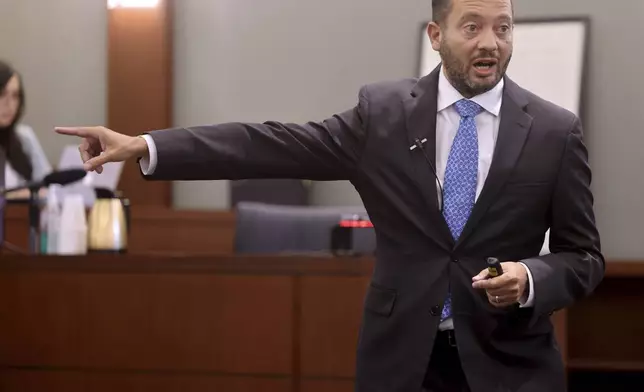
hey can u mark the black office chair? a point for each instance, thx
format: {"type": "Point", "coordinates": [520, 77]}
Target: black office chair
{"type": "Point", "coordinates": [270, 229]}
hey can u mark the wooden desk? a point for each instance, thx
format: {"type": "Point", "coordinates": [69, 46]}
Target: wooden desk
{"type": "Point", "coordinates": [154, 229]}
{"type": "Point", "coordinates": [109, 323]}
{"type": "Point", "coordinates": [144, 323]}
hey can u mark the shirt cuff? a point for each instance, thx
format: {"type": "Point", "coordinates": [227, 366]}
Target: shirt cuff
{"type": "Point", "coordinates": [149, 163]}
{"type": "Point", "coordinates": [528, 302]}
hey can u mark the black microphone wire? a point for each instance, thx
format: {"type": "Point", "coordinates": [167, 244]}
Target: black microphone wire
{"type": "Point", "coordinates": [419, 144]}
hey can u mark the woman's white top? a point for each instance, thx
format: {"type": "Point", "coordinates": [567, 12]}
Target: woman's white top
{"type": "Point", "coordinates": [33, 150]}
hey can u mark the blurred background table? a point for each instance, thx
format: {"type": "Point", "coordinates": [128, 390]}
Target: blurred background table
{"type": "Point", "coordinates": [154, 230]}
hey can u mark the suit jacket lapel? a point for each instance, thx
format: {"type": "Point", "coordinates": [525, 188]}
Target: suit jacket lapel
{"type": "Point", "coordinates": [513, 132]}
{"type": "Point", "coordinates": [420, 110]}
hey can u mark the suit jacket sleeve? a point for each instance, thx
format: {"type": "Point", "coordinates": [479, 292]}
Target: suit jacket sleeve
{"type": "Point", "coordinates": [326, 150]}
{"type": "Point", "coordinates": [575, 265]}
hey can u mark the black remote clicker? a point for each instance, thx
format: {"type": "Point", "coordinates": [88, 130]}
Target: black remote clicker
{"type": "Point", "coordinates": [494, 267]}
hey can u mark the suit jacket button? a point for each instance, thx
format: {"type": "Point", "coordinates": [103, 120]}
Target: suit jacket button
{"type": "Point", "coordinates": [454, 260]}
{"type": "Point", "coordinates": [435, 310]}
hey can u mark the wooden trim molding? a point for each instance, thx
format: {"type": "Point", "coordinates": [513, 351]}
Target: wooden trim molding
{"type": "Point", "coordinates": [140, 87]}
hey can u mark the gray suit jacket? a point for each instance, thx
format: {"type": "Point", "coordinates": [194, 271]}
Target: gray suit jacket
{"type": "Point", "coordinates": [539, 179]}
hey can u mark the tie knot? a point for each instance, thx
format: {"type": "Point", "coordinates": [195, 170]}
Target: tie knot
{"type": "Point", "coordinates": [467, 108]}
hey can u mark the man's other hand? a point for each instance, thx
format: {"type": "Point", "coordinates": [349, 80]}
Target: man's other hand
{"type": "Point", "coordinates": [101, 145]}
{"type": "Point", "coordinates": [504, 290]}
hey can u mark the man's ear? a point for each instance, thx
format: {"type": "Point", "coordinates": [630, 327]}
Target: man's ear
{"type": "Point", "coordinates": [434, 33]}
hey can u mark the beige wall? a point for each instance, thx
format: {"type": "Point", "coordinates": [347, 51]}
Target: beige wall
{"type": "Point", "coordinates": [60, 48]}
{"type": "Point", "coordinates": [614, 131]}
{"type": "Point", "coordinates": [293, 60]}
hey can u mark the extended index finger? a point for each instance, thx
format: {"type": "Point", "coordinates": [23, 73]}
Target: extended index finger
{"type": "Point", "coordinates": [78, 131]}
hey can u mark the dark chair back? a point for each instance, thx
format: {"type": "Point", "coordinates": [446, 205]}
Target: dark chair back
{"type": "Point", "coordinates": [269, 229]}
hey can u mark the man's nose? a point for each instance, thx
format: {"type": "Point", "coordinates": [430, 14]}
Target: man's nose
{"type": "Point", "coordinates": [488, 41]}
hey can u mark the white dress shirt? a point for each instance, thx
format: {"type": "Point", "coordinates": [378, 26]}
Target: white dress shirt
{"type": "Point", "coordinates": [487, 128]}
{"type": "Point", "coordinates": [149, 163]}
{"type": "Point", "coordinates": [447, 122]}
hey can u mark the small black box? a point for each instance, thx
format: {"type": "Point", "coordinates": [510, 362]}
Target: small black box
{"type": "Point", "coordinates": [353, 236]}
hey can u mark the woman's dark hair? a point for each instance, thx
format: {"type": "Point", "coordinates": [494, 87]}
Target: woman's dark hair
{"type": "Point", "coordinates": [9, 141]}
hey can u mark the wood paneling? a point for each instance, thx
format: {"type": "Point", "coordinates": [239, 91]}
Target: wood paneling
{"type": "Point", "coordinates": [327, 386]}
{"type": "Point", "coordinates": [171, 323]}
{"type": "Point", "coordinates": [560, 322]}
{"type": "Point", "coordinates": [140, 87]}
{"type": "Point", "coordinates": [613, 321]}
{"type": "Point", "coordinates": [129, 322]}
{"type": "Point", "coordinates": [188, 321]}
{"type": "Point", "coordinates": [165, 230]}
{"type": "Point", "coordinates": [331, 316]}
{"type": "Point", "coordinates": [14, 380]}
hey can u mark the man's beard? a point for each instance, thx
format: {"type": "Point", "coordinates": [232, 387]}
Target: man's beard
{"type": "Point", "coordinates": [458, 72]}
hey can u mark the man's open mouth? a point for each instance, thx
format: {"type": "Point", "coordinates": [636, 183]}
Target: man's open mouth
{"type": "Point", "coordinates": [484, 64]}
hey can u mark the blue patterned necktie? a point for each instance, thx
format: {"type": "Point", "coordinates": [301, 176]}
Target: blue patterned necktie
{"type": "Point", "coordinates": [461, 176]}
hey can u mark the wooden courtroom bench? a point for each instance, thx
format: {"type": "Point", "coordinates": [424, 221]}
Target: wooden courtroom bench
{"type": "Point", "coordinates": [196, 323]}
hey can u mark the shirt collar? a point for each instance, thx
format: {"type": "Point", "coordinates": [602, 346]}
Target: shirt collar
{"type": "Point", "coordinates": [448, 95]}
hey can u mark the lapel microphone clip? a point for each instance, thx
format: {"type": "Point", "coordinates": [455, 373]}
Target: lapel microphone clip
{"type": "Point", "coordinates": [418, 143]}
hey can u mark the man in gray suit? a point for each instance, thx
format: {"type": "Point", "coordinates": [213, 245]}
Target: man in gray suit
{"type": "Point", "coordinates": [455, 167]}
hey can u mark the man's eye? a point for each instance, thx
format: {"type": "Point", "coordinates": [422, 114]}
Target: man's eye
{"type": "Point", "coordinates": [470, 28]}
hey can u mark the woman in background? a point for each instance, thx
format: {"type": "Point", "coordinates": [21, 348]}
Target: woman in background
{"type": "Point", "coordinates": [25, 159]}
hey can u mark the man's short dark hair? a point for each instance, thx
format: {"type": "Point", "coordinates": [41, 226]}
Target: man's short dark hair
{"type": "Point", "coordinates": [440, 10]}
